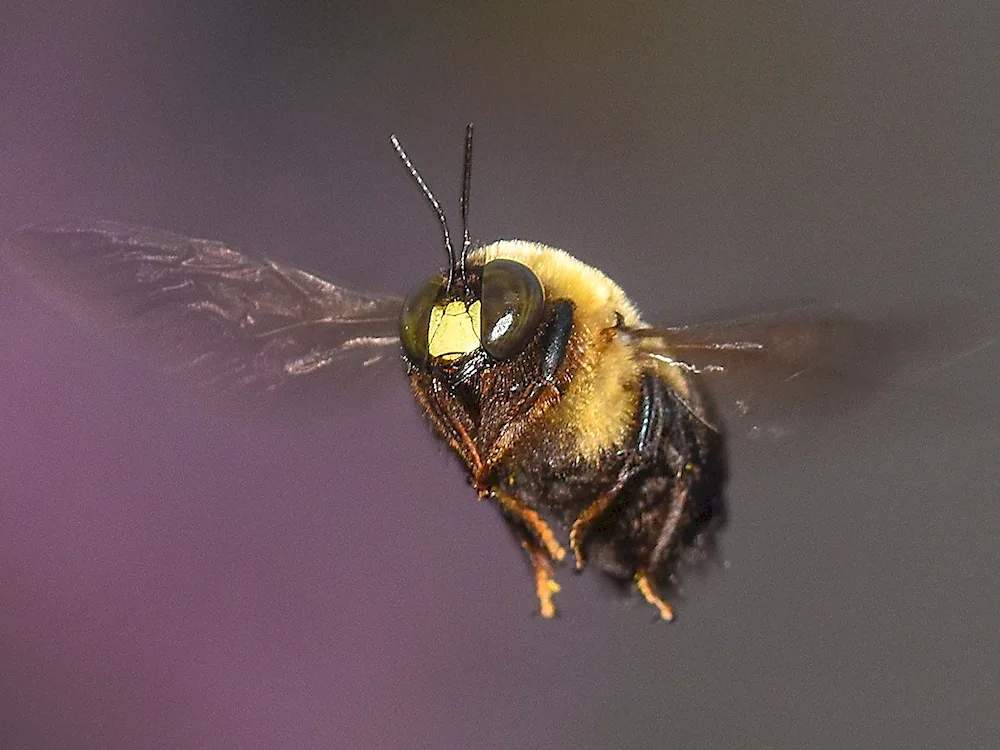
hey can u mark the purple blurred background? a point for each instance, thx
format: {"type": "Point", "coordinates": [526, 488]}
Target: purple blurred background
{"type": "Point", "coordinates": [179, 578]}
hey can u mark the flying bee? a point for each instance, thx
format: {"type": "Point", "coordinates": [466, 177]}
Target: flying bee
{"type": "Point", "coordinates": [587, 429]}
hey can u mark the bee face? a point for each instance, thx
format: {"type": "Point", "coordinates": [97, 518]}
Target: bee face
{"type": "Point", "coordinates": [492, 311]}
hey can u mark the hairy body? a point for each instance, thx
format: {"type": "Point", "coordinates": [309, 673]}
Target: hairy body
{"type": "Point", "coordinates": [591, 427]}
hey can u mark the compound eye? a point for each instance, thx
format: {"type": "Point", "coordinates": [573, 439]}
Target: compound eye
{"type": "Point", "coordinates": [415, 316]}
{"type": "Point", "coordinates": [512, 307]}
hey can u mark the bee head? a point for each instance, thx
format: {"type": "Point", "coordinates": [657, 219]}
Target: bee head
{"type": "Point", "coordinates": [461, 310]}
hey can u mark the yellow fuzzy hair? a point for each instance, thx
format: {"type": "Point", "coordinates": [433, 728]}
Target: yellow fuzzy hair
{"type": "Point", "coordinates": [595, 414]}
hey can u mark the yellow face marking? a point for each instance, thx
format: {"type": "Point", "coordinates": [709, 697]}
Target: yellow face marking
{"type": "Point", "coordinates": [453, 330]}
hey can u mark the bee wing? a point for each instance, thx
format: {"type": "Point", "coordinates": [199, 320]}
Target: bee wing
{"type": "Point", "coordinates": [772, 372]}
{"type": "Point", "coordinates": [230, 321]}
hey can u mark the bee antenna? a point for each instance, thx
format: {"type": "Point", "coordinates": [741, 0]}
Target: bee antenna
{"type": "Point", "coordinates": [437, 209]}
{"type": "Point", "coordinates": [466, 181]}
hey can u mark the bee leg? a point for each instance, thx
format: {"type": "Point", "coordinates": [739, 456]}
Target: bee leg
{"type": "Point", "coordinates": [583, 522]}
{"type": "Point", "coordinates": [545, 582]}
{"type": "Point", "coordinates": [645, 587]}
{"type": "Point", "coordinates": [678, 503]}
{"type": "Point", "coordinates": [664, 543]}
{"type": "Point", "coordinates": [578, 531]}
{"type": "Point", "coordinates": [534, 523]}
{"type": "Point", "coordinates": [538, 541]}
{"type": "Point", "coordinates": [666, 539]}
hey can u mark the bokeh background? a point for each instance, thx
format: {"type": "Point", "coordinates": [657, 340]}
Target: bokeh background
{"type": "Point", "coordinates": [179, 577]}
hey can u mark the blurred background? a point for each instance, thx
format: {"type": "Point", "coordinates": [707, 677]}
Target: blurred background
{"type": "Point", "coordinates": [179, 577]}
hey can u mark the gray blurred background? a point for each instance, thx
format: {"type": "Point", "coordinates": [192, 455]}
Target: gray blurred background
{"type": "Point", "coordinates": [181, 578]}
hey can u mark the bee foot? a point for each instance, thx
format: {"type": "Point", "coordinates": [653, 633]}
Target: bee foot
{"type": "Point", "coordinates": [645, 587]}
{"type": "Point", "coordinates": [546, 587]}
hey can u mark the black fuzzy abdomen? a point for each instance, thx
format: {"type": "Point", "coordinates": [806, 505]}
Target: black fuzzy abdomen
{"type": "Point", "coordinates": [674, 463]}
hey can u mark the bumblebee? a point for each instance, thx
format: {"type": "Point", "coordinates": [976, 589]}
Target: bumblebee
{"type": "Point", "coordinates": [587, 429]}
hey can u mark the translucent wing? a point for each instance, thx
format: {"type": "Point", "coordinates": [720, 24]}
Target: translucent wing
{"type": "Point", "coordinates": [773, 372]}
{"type": "Point", "coordinates": [231, 321]}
